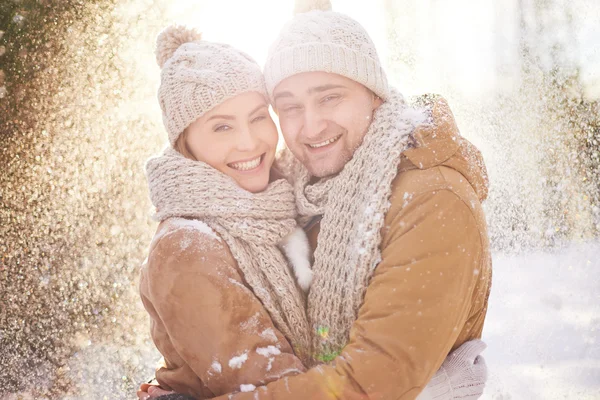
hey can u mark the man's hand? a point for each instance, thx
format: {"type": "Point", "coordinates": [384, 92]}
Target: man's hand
{"type": "Point", "coordinates": [462, 375]}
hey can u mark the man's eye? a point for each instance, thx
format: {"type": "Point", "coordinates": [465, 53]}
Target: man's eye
{"type": "Point", "coordinates": [291, 108]}
{"type": "Point", "coordinates": [221, 128]}
{"type": "Point", "coordinates": [330, 98]}
{"type": "Point", "coordinates": [259, 118]}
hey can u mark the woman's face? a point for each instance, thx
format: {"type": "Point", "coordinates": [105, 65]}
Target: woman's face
{"type": "Point", "coordinates": [238, 138]}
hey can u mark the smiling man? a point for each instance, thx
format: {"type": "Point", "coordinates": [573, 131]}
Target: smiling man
{"type": "Point", "coordinates": [390, 195]}
{"type": "Point", "coordinates": [325, 122]}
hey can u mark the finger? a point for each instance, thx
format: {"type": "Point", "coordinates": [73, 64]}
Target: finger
{"type": "Point", "coordinates": [478, 345]}
{"type": "Point", "coordinates": [479, 360]}
{"type": "Point", "coordinates": [481, 368]}
{"type": "Point", "coordinates": [144, 387]}
{"type": "Point", "coordinates": [141, 395]}
{"type": "Point", "coordinates": [155, 388]}
{"type": "Point", "coordinates": [155, 391]}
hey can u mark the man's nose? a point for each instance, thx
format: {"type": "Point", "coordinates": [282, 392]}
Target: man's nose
{"type": "Point", "coordinates": [314, 124]}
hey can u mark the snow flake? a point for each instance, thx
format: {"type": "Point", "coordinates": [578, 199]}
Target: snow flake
{"type": "Point", "coordinates": [269, 334]}
{"type": "Point", "coordinates": [237, 361]}
{"type": "Point", "coordinates": [216, 366]}
{"type": "Point", "coordinates": [247, 388]}
{"type": "Point", "coordinates": [251, 323]}
{"type": "Point", "coordinates": [268, 351]}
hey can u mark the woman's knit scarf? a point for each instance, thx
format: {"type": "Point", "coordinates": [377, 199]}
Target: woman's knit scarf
{"type": "Point", "coordinates": [252, 225]}
{"type": "Point", "coordinates": [353, 205]}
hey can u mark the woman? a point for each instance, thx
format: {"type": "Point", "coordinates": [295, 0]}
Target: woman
{"type": "Point", "coordinates": [226, 313]}
{"type": "Point", "coordinates": [217, 287]}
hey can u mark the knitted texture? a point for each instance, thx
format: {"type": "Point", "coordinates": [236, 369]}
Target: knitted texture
{"type": "Point", "coordinates": [252, 225]}
{"type": "Point", "coordinates": [198, 75]}
{"type": "Point", "coordinates": [353, 205]}
{"type": "Point", "coordinates": [462, 375]}
{"type": "Point", "coordinates": [329, 42]}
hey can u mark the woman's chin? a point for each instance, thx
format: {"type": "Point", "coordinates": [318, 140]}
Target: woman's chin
{"type": "Point", "coordinates": [254, 185]}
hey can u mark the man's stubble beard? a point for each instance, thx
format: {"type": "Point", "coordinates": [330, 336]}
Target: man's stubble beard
{"type": "Point", "coordinates": [327, 172]}
{"type": "Point", "coordinates": [346, 156]}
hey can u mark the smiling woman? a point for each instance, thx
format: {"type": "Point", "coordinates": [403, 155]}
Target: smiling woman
{"type": "Point", "coordinates": [237, 137]}
{"type": "Point", "coordinates": [192, 282]}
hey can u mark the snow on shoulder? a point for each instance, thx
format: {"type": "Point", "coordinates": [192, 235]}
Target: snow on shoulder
{"type": "Point", "coordinates": [193, 224]}
{"type": "Point", "coordinates": [196, 229]}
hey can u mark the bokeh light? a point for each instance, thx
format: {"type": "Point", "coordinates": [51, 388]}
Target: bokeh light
{"type": "Point", "coordinates": [79, 117]}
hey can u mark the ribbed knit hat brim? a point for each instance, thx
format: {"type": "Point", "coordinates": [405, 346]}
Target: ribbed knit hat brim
{"type": "Point", "coordinates": [325, 41]}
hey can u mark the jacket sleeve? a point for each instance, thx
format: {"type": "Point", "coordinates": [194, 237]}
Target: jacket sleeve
{"type": "Point", "coordinates": [415, 306]}
{"type": "Point", "coordinates": [214, 321]}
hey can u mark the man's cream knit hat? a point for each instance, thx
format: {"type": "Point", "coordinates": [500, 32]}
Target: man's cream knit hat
{"type": "Point", "coordinates": [198, 75]}
{"type": "Point", "coordinates": [318, 39]}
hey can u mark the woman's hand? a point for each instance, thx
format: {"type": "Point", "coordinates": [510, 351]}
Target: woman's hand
{"type": "Point", "coordinates": [151, 391]}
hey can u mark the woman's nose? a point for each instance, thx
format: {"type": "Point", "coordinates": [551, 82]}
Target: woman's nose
{"type": "Point", "coordinates": [246, 140]}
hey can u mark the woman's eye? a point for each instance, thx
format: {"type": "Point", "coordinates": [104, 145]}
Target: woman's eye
{"type": "Point", "coordinates": [222, 128]}
{"type": "Point", "coordinates": [259, 118]}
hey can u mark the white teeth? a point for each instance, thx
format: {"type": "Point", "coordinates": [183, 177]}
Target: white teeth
{"type": "Point", "coordinates": [246, 165]}
{"type": "Point", "coordinates": [325, 143]}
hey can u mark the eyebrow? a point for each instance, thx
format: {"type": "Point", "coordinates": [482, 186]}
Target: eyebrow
{"type": "Point", "coordinates": [258, 108]}
{"type": "Point", "coordinates": [323, 88]}
{"type": "Point", "coordinates": [316, 89]}
{"type": "Point", "coordinates": [231, 117]}
{"type": "Point", "coordinates": [227, 117]}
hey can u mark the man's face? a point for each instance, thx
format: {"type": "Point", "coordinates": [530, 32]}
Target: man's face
{"type": "Point", "coordinates": [324, 118]}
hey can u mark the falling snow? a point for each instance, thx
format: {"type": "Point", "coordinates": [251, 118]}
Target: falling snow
{"type": "Point", "coordinates": [79, 117]}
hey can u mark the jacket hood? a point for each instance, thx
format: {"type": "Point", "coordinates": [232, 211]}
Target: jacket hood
{"type": "Point", "coordinates": [439, 143]}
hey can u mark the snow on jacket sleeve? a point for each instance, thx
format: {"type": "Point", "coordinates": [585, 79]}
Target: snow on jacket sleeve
{"type": "Point", "coordinates": [418, 305]}
{"type": "Point", "coordinates": [211, 329]}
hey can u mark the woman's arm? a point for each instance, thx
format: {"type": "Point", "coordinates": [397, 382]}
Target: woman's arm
{"type": "Point", "coordinates": [214, 323]}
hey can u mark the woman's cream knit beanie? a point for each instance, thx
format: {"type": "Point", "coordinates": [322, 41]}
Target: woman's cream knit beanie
{"type": "Point", "coordinates": [318, 39]}
{"type": "Point", "coordinates": [198, 75]}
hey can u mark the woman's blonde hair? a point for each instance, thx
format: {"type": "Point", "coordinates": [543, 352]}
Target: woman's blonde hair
{"type": "Point", "coordinates": [182, 147]}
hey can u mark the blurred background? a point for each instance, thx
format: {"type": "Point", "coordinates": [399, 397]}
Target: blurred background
{"type": "Point", "coordinates": [79, 117]}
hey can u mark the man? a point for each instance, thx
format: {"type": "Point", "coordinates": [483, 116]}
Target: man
{"type": "Point", "coordinates": [391, 200]}
{"type": "Point", "coordinates": [393, 212]}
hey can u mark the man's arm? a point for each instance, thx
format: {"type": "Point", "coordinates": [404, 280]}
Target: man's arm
{"type": "Point", "coordinates": [415, 307]}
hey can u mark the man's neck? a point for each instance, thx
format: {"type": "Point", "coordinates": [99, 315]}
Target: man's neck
{"type": "Point", "coordinates": [315, 179]}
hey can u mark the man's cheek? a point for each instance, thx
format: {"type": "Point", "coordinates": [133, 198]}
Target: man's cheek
{"type": "Point", "coordinates": [360, 121]}
{"type": "Point", "coordinates": [290, 134]}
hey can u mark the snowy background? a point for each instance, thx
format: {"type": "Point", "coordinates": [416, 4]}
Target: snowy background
{"type": "Point", "coordinates": [543, 325]}
{"type": "Point", "coordinates": [78, 118]}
